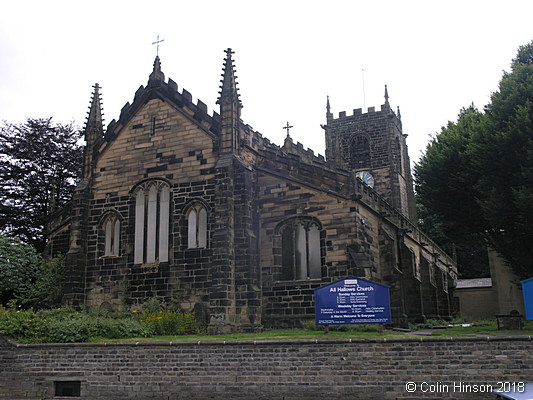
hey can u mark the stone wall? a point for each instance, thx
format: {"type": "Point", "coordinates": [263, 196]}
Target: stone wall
{"type": "Point", "coordinates": [313, 369]}
{"type": "Point", "coordinates": [477, 303]}
{"type": "Point", "coordinates": [253, 191]}
{"type": "Point", "coordinates": [374, 141]}
{"type": "Point", "coordinates": [506, 286]}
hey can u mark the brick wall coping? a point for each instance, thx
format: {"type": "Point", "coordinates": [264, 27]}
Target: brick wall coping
{"type": "Point", "coordinates": [423, 339]}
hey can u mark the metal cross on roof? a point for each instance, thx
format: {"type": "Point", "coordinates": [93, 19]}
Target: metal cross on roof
{"type": "Point", "coordinates": [157, 44]}
{"type": "Point", "coordinates": [288, 127]}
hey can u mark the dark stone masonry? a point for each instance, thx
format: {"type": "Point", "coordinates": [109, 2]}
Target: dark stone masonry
{"type": "Point", "coordinates": [202, 212]}
{"type": "Point", "coordinates": [461, 368]}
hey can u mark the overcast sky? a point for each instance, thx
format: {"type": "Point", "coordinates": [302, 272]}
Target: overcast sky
{"type": "Point", "coordinates": [435, 57]}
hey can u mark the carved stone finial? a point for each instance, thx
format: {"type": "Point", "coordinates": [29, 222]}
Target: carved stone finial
{"type": "Point", "coordinates": [228, 89]}
{"type": "Point", "coordinates": [95, 119]}
{"type": "Point", "coordinates": [94, 129]}
{"type": "Point", "coordinates": [157, 74]}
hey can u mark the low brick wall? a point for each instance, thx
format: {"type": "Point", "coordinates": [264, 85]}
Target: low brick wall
{"type": "Point", "coordinates": [322, 369]}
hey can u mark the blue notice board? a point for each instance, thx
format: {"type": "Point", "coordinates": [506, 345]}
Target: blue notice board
{"type": "Point", "coordinates": [527, 291]}
{"type": "Point", "coordinates": [352, 300]}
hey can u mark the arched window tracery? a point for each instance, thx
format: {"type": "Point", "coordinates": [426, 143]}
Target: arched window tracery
{"type": "Point", "coordinates": [152, 222]}
{"type": "Point", "coordinates": [111, 229]}
{"type": "Point", "coordinates": [300, 249]}
{"type": "Point", "coordinates": [196, 216]}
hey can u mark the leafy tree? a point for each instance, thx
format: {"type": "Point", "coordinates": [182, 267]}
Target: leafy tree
{"type": "Point", "coordinates": [475, 182]}
{"type": "Point", "coordinates": [502, 153]}
{"type": "Point", "coordinates": [46, 290]}
{"type": "Point", "coordinates": [18, 265]}
{"type": "Point", "coordinates": [39, 165]}
{"type": "Point", "coordinates": [446, 194]}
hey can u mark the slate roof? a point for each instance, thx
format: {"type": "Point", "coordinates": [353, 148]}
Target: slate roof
{"type": "Point", "coordinates": [473, 283]}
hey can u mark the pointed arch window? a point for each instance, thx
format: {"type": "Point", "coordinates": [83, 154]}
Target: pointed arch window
{"type": "Point", "coordinates": [111, 228]}
{"type": "Point", "coordinates": [300, 250]}
{"type": "Point", "coordinates": [196, 226]}
{"type": "Point", "coordinates": [152, 214]}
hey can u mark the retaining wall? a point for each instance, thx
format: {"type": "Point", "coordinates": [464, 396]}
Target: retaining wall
{"type": "Point", "coordinates": [462, 368]}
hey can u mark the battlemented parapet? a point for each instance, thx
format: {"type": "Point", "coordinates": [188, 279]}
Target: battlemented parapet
{"type": "Point", "coordinates": [200, 209]}
{"type": "Point", "coordinates": [373, 142]}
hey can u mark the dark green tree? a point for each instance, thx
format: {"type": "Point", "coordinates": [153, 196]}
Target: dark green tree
{"type": "Point", "coordinates": [46, 288]}
{"type": "Point", "coordinates": [447, 195]}
{"type": "Point", "coordinates": [19, 263]}
{"type": "Point", "coordinates": [475, 182]}
{"type": "Point", "coordinates": [502, 154]}
{"type": "Point", "coordinates": [39, 166]}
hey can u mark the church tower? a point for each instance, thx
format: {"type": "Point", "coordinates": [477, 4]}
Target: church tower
{"type": "Point", "coordinates": [373, 146]}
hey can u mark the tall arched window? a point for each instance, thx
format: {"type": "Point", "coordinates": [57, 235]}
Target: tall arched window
{"type": "Point", "coordinates": [360, 156]}
{"type": "Point", "coordinates": [111, 228]}
{"type": "Point", "coordinates": [196, 226]}
{"type": "Point", "coordinates": [152, 214]}
{"type": "Point", "coordinates": [300, 250]}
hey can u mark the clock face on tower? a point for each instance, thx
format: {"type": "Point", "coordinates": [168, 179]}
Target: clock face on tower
{"type": "Point", "coordinates": [366, 177]}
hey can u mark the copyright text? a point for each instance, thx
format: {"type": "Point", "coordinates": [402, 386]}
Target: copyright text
{"type": "Point", "coordinates": [463, 387]}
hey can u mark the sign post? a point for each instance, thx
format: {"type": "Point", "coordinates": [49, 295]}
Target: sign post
{"type": "Point", "coordinates": [352, 300]}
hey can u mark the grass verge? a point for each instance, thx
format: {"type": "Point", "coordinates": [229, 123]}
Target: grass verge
{"type": "Point", "coordinates": [266, 335]}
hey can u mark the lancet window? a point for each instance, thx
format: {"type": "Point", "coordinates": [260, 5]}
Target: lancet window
{"type": "Point", "coordinates": [152, 215]}
{"type": "Point", "coordinates": [111, 229]}
{"type": "Point", "coordinates": [196, 226]}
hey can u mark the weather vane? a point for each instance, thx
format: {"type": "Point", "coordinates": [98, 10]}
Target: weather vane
{"type": "Point", "coordinates": [157, 44]}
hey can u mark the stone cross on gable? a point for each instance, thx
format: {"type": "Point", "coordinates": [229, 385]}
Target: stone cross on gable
{"type": "Point", "coordinates": [157, 44]}
{"type": "Point", "coordinates": [288, 127]}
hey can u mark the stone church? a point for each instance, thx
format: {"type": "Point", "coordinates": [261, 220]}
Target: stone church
{"type": "Point", "coordinates": [200, 210]}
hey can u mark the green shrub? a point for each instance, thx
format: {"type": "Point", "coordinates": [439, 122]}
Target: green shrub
{"type": "Point", "coordinates": [24, 326]}
{"type": "Point", "coordinates": [152, 306]}
{"type": "Point", "coordinates": [170, 323]}
{"type": "Point", "coordinates": [68, 331]}
{"type": "Point", "coordinates": [68, 326]}
{"type": "Point", "coordinates": [112, 328]}
{"type": "Point", "coordinates": [85, 325]}
{"type": "Point", "coordinates": [57, 313]}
